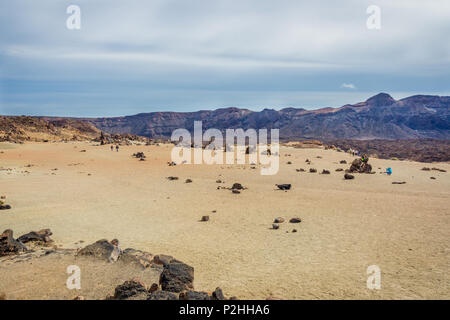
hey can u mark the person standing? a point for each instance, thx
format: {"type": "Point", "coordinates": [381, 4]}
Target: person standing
{"type": "Point", "coordinates": [112, 148]}
{"type": "Point", "coordinates": [117, 147]}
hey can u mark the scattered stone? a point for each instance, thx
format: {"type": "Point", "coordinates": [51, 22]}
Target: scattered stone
{"type": "Point", "coordinates": [278, 220]}
{"type": "Point", "coordinates": [286, 186]}
{"type": "Point", "coordinates": [300, 170]}
{"type": "Point", "coordinates": [294, 230]}
{"type": "Point", "coordinates": [325, 171]}
{"type": "Point", "coordinates": [396, 182]}
{"type": "Point", "coordinates": [10, 246]}
{"type": "Point", "coordinates": [348, 176]}
{"type": "Point", "coordinates": [218, 181]}
{"type": "Point", "coordinates": [177, 277]}
{"type": "Point", "coordinates": [339, 169]}
{"type": "Point", "coordinates": [205, 218]}
{"type": "Point", "coordinates": [217, 294]}
{"type": "Point", "coordinates": [172, 178]}
{"type": "Point", "coordinates": [235, 191]}
{"type": "Point", "coordinates": [312, 170]}
{"type": "Point", "coordinates": [343, 162]}
{"type": "Point", "coordinates": [275, 226]}
{"type": "Point", "coordinates": [437, 169]}
{"type": "Point", "coordinates": [5, 207]}
{"type": "Point", "coordinates": [237, 186]}
{"type": "Point", "coordinates": [139, 155]}
{"type": "Point", "coordinates": [163, 259]}
{"type": "Point", "coordinates": [289, 162]}
{"type": "Point", "coordinates": [432, 178]}
{"type": "Point", "coordinates": [426, 169]}
{"type": "Point", "coordinates": [295, 220]}
{"type": "Point", "coordinates": [171, 164]}
{"type": "Point", "coordinates": [188, 181]}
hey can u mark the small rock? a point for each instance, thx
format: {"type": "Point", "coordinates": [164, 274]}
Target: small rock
{"type": "Point", "coordinates": [348, 176]}
{"type": "Point", "coordinates": [235, 191]}
{"type": "Point", "coordinates": [339, 169]}
{"type": "Point", "coordinates": [275, 226]}
{"type": "Point", "coordinates": [218, 294]}
{"type": "Point", "coordinates": [295, 220]}
{"type": "Point", "coordinates": [188, 181]}
{"type": "Point", "coordinates": [279, 220]}
{"type": "Point", "coordinates": [325, 171]}
{"type": "Point", "coordinates": [205, 218]}
{"type": "Point", "coordinates": [153, 288]}
{"type": "Point", "coordinates": [286, 186]}
{"type": "Point", "coordinates": [396, 182]}
{"type": "Point", "coordinates": [312, 170]}
{"type": "Point", "coordinates": [172, 178]}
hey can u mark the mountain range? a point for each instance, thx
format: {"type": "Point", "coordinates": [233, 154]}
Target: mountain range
{"type": "Point", "coordinates": [379, 117]}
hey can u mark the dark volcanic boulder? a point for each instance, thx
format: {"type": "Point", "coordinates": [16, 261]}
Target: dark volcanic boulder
{"type": "Point", "coordinates": [129, 289]}
{"type": "Point", "coordinates": [360, 166]}
{"type": "Point", "coordinates": [10, 246]}
{"type": "Point", "coordinates": [217, 295]}
{"type": "Point", "coordinates": [162, 295]}
{"type": "Point", "coordinates": [101, 249]}
{"type": "Point", "coordinates": [177, 277]}
{"type": "Point", "coordinates": [41, 237]}
{"type": "Point", "coordinates": [194, 295]}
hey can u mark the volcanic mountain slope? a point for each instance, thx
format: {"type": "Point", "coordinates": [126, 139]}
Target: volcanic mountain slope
{"type": "Point", "coordinates": [380, 117]}
{"type": "Point", "coordinates": [24, 128]}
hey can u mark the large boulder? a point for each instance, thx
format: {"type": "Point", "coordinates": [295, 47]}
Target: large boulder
{"type": "Point", "coordinates": [129, 289]}
{"type": "Point", "coordinates": [10, 246]}
{"type": "Point", "coordinates": [177, 277]}
{"type": "Point", "coordinates": [102, 249]}
{"type": "Point", "coordinates": [360, 166]}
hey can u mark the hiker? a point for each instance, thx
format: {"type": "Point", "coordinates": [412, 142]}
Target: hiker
{"type": "Point", "coordinates": [388, 171]}
{"type": "Point", "coordinates": [112, 148]}
{"type": "Point", "coordinates": [364, 158]}
{"type": "Point", "coordinates": [117, 148]}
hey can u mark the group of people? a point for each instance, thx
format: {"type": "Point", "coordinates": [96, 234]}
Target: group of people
{"type": "Point", "coordinates": [117, 148]}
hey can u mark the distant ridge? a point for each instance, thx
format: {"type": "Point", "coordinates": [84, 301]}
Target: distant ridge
{"type": "Point", "coordinates": [379, 117]}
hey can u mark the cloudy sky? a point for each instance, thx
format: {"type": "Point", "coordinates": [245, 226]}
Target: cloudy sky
{"type": "Point", "coordinates": [182, 55]}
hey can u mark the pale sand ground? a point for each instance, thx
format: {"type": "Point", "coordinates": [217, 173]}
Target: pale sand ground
{"type": "Point", "coordinates": [347, 225]}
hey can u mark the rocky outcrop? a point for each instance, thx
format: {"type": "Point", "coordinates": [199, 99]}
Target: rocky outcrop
{"type": "Point", "coordinates": [177, 277]}
{"type": "Point", "coordinates": [10, 246]}
{"type": "Point", "coordinates": [41, 237]}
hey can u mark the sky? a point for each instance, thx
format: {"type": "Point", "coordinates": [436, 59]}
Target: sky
{"type": "Point", "coordinates": [139, 56]}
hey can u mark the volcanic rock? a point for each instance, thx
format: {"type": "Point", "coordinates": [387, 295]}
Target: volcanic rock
{"type": "Point", "coordinates": [177, 277]}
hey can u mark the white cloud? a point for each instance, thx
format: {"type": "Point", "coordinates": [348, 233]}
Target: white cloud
{"type": "Point", "coordinates": [348, 86]}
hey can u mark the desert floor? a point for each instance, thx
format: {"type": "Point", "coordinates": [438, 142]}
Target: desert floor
{"type": "Point", "coordinates": [347, 225]}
